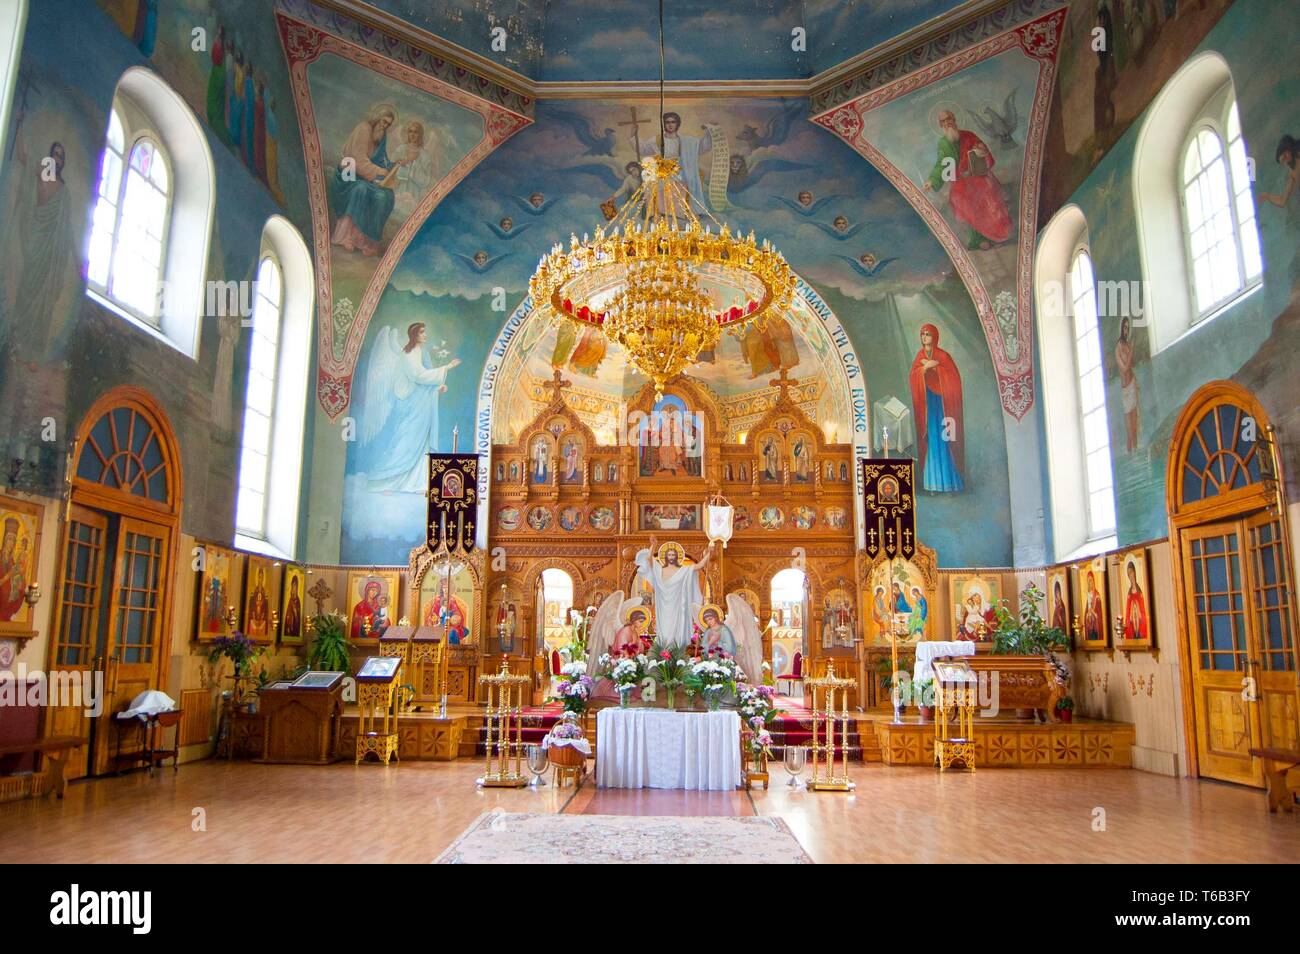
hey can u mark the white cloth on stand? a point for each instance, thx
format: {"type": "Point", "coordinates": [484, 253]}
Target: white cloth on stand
{"type": "Point", "coordinates": [659, 748]}
{"type": "Point", "coordinates": [148, 703]}
{"type": "Point", "coordinates": [582, 745]}
{"type": "Point", "coordinates": [927, 652]}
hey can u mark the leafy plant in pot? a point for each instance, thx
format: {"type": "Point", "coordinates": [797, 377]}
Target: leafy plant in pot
{"type": "Point", "coordinates": [923, 696]}
{"type": "Point", "coordinates": [1065, 708]}
{"type": "Point", "coordinates": [329, 653]}
{"type": "Point", "coordinates": [1025, 633]}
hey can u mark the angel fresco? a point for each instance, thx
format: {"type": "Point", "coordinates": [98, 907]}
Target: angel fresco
{"type": "Point", "coordinates": [399, 425]}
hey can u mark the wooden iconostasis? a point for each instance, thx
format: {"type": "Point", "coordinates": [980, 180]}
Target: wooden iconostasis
{"type": "Point", "coordinates": [569, 513]}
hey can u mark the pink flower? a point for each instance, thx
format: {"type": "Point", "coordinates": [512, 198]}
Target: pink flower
{"type": "Point", "coordinates": [665, 655]}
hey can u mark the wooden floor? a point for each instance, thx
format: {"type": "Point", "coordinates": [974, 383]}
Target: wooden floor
{"type": "Point", "coordinates": [410, 812]}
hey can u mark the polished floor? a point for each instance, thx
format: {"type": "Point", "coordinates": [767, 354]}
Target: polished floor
{"type": "Point", "coordinates": [240, 812]}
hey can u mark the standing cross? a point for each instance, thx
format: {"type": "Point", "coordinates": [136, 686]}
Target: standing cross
{"type": "Point", "coordinates": [636, 130]}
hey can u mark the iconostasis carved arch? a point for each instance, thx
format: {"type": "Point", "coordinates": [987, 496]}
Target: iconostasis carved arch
{"type": "Point", "coordinates": [554, 449]}
{"type": "Point", "coordinates": [425, 583]}
{"type": "Point", "coordinates": [787, 447]}
{"type": "Point", "coordinates": [672, 423]}
{"type": "Point", "coordinates": [921, 572]}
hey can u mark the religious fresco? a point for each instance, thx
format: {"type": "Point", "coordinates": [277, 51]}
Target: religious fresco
{"type": "Point", "coordinates": [233, 75]}
{"type": "Point", "coordinates": [452, 608]}
{"type": "Point", "coordinates": [962, 141]}
{"type": "Point", "coordinates": [59, 350]}
{"type": "Point", "coordinates": [1254, 340]}
{"type": "Point", "coordinates": [790, 185]}
{"type": "Point", "coordinates": [385, 142]}
{"type": "Point", "coordinates": [1101, 91]}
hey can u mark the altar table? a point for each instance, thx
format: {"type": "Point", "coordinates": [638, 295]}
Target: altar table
{"type": "Point", "coordinates": [659, 748]}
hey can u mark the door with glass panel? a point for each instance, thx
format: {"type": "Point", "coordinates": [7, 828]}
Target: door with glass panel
{"type": "Point", "coordinates": [80, 620]}
{"type": "Point", "coordinates": [133, 663]}
{"type": "Point", "coordinates": [1241, 644]}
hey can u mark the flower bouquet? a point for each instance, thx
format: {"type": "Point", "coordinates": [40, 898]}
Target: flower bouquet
{"type": "Point", "coordinates": [668, 666]}
{"type": "Point", "coordinates": [574, 688]}
{"type": "Point", "coordinates": [566, 744]}
{"type": "Point", "coordinates": [713, 676]}
{"type": "Point", "coordinates": [625, 672]}
{"type": "Point", "coordinates": [758, 708]}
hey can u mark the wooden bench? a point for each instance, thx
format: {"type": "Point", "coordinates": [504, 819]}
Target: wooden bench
{"type": "Point", "coordinates": [54, 751]}
{"type": "Point", "coordinates": [1277, 763]}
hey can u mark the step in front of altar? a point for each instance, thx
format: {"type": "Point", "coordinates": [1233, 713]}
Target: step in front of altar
{"type": "Point", "coordinates": [1083, 743]}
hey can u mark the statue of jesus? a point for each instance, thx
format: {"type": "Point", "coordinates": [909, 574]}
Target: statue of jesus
{"type": "Point", "coordinates": [676, 590]}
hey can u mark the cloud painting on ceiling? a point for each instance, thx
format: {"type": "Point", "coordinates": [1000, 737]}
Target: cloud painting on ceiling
{"type": "Point", "coordinates": [878, 272]}
{"type": "Point", "coordinates": [385, 143]}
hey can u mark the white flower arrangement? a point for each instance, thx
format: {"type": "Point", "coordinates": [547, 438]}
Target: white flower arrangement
{"type": "Point", "coordinates": [573, 669]}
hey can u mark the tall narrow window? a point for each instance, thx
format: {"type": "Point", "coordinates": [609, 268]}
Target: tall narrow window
{"type": "Point", "coordinates": [1222, 237]}
{"type": "Point", "coordinates": [1092, 397]}
{"type": "Point", "coordinates": [128, 238]}
{"type": "Point", "coordinates": [259, 400]}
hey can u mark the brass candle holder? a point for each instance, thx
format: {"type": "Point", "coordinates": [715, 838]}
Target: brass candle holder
{"type": "Point", "coordinates": [825, 692]}
{"type": "Point", "coordinates": [505, 729]}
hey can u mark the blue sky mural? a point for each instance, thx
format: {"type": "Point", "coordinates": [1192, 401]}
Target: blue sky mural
{"type": "Point", "coordinates": [842, 226]}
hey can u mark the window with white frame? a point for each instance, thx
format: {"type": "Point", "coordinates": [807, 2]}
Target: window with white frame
{"type": "Point", "coordinates": [1192, 191]}
{"type": "Point", "coordinates": [1219, 216]}
{"type": "Point", "coordinates": [1092, 396]}
{"type": "Point", "coordinates": [126, 255]}
{"type": "Point", "coordinates": [13, 21]}
{"type": "Point", "coordinates": [147, 248]}
{"type": "Point", "coordinates": [275, 394]}
{"type": "Point", "coordinates": [259, 400]}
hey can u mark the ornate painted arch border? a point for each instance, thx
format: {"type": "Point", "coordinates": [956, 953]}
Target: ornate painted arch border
{"type": "Point", "coordinates": [1039, 39]}
{"type": "Point", "coordinates": [854, 380]}
{"type": "Point", "coordinates": [304, 44]}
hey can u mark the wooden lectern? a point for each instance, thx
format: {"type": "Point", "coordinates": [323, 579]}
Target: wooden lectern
{"type": "Point", "coordinates": [300, 719]}
{"type": "Point", "coordinates": [377, 699]}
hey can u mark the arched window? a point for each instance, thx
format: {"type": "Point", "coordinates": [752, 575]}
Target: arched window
{"type": "Point", "coordinates": [13, 21]}
{"type": "Point", "coordinates": [1074, 398]}
{"type": "Point", "coordinates": [259, 400]}
{"type": "Point", "coordinates": [1219, 216]}
{"type": "Point", "coordinates": [128, 233]}
{"type": "Point", "coordinates": [146, 258]}
{"type": "Point", "coordinates": [275, 395]}
{"type": "Point", "coordinates": [1093, 424]}
{"type": "Point", "coordinates": [1191, 190]}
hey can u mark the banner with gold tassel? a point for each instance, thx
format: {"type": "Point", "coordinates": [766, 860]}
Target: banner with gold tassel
{"type": "Point", "coordinates": [890, 506]}
{"type": "Point", "coordinates": [453, 501]}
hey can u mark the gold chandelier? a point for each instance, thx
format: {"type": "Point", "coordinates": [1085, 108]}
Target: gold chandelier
{"type": "Point", "coordinates": [659, 283]}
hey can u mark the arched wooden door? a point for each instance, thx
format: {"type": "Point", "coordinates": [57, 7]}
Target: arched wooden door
{"type": "Point", "coordinates": [117, 569]}
{"type": "Point", "coordinates": [1234, 584]}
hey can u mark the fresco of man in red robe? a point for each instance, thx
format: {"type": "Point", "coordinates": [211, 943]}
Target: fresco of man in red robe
{"type": "Point", "coordinates": [937, 416]}
{"type": "Point", "coordinates": [976, 195]}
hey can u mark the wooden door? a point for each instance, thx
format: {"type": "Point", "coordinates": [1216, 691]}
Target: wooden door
{"type": "Point", "coordinates": [134, 661]}
{"type": "Point", "coordinates": [1242, 646]}
{"type": "Point", "coordinates": [1274, 659]}
{"type": "Point", "coordinates": [78, 628]}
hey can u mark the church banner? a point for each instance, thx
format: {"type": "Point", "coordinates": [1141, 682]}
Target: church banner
{"type": "Point", "coordinates": [890, 506]}
{"type": "Point", "coordinates": [453, 501]}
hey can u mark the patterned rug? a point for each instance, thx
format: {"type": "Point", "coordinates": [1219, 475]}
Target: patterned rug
{"type": "Point", "coordinates": [498, 837]}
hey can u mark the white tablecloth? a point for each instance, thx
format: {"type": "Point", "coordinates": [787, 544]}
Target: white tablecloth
{"type": "Point", "coordinates": [658, 748]}
{"type": "Point", "coordinates": [927, 651]}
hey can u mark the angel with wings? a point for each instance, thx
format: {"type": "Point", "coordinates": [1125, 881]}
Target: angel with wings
{"type": "Point", "coordinates": [619, 623]}
{"type": "Point", "coordinates": [742, 624]}
{"type": "Point", "coordinates": [399, 423]}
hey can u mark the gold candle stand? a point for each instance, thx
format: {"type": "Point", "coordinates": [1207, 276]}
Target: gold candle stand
{"type": "Point", "coordinates": [954, 714]}
{"type": "Point", "coordinates": [505, 729]}
{"type": "Point", "coordinates": [824, 690]}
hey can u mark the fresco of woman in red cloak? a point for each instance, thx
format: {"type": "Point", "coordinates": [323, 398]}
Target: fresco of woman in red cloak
{"type": "Point", "coordinates": [937, 414]}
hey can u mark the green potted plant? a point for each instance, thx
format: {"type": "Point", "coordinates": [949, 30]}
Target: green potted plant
{"type": "Point", "coordinates": [329, 652]}
{"type": "Point", "coordinates": [1065, 708]}
{"type": "Point", "coordinates": [923, 696]}
{"type": "Point", "coordinates": [1025, 633]}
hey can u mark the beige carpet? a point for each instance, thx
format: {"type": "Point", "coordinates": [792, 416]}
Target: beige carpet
{"type": "Point", "coordinates": [499, 837]}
